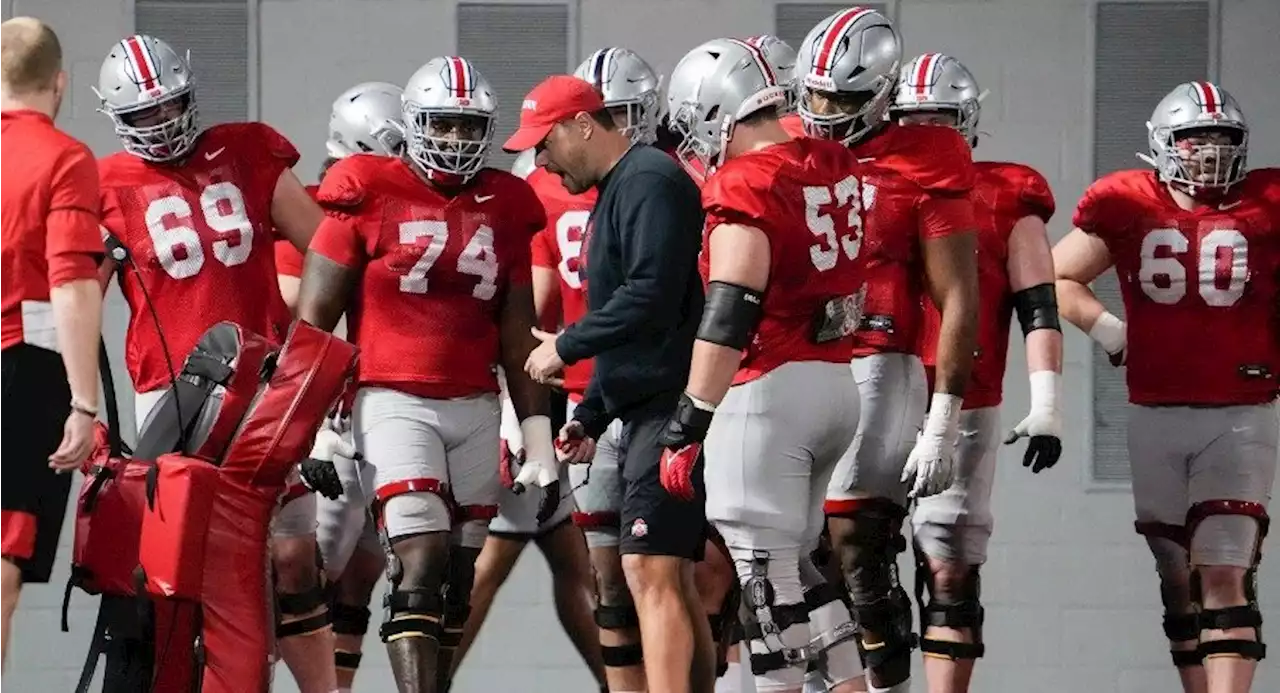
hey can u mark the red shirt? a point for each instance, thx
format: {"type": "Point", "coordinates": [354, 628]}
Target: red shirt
{"type": "Point", "coordinates": [1004, 194]}
{"type": "Point", "coordinates": [559, 247]}
{"type": "Point", "coordinates": [917, 180]}
{"type": "Point", "coordinates": [50, 217]}
{"type": "Point", "coordinates": [435, 270]}
{"type": "Point", "coordinates": [805, 196]}
{"type": "Point", "coordinates": [1200, 288]}
{"type": "Point", "coordinates": [201, 235]}
{"type": "Point", "coordinates": [288, 258]}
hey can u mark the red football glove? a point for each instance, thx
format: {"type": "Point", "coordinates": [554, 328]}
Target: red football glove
{"type": "Point", "coordinates": [677, 470]}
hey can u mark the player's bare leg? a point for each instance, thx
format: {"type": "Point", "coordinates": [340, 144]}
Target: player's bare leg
{"type": "Point", "coordinates": [956, 585]}
{"type": "Point", "coordinates": [352, 594]}
{"type": "Point", "coordinates": [673, 628]}
{"type": "Point", "coordinates": [715, 579]}
{"type": "Point", "coordinates": [619, 624]}
{"type": "Point", "coordinates": [702, 677]}
{"type": "Point", "coordinates": [493, 567]}
{"type": "Point", "coordinates": [570, 563]}
{"type": "Point", "coordinates": [303, 633]}
{"type": "Point", "coordinates": [459, 584]}
{"type": "Point", "coordinates": [12, 583]}
{"type": "Point", "coordinates": [1222, 588]}
{"type": "Point", "coordinates": [412, 633]}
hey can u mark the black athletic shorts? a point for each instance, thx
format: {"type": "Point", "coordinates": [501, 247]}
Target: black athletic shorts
{"type": "Point", "coordinates": [653, 522]}
{"type": "Point", "coordinates": [36, 402]}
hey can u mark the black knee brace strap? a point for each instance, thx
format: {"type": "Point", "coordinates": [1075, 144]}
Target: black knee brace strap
{"type": "Point", "coordinates": [347, 660]}
{"type": "Point", "coordinates": [1226, 619]}
{"type": "Point", "coordinates": [947, 611]}
{"type": "Point", "coordinates": [622, 655]}
{"type": "Point", "coordinates": [349, 620]}
{"type": "Point", "coordinates": [301, 603]}
{"type": "Point", "coordinates": [617, 616]}
{"type": "Point", "coordinates": [411, 614]}
{"type": "Point", "coordinates": [456, 595]}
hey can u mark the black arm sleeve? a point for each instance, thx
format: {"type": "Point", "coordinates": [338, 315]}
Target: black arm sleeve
{"type": "Point", "coordinates": [660, 236]}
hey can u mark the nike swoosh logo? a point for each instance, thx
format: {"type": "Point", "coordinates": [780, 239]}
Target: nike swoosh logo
{"type": "Point", "coordinates": [210, 156]}
{"type": "Point", "coordinates": [866, 160]}
{"type": "Point", "coordinates": [1230, 205]}
{"type": "Point", "coordinates": [484, 198]}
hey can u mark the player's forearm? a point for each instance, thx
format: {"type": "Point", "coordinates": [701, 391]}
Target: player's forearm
{"type": "Point", "coordinates": [712, 370]}
{"type": "Point", "coordinates": [1044, 351]}
{"type": "Point", "coordinates": [957, 340]}
{"type": "Point", "coordinates": [322, 296]}
{"type": "Point", "coordinates": [1077, 304]}
{"type": "Point", "coordinates": [546, 298]}
{"type": "Point", "coordinates": [516, 341]}
{"type": "Point", "coordinates": [77, 311]}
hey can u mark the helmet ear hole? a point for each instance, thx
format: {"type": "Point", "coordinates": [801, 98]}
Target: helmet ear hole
{"type": "Point", "coordinates": [713, 113]}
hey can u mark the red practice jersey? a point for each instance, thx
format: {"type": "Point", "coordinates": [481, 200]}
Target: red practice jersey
{"type": "Point", "coordinates": [288, 258]}
{"type": "Point", "coordinates": [1004, 194]}
{"type": "Point", "coordinates": [1200, 288]}
{"type": "Point", "coordinates": [558, 247]}
{"type": "Point", "coordinates": [435, 270]}
{"type": "Point", "coordinates": [200, 234]}
{"type": "Point", "coordinates": [50, 210]}
{"type": "Point", "coordinates": [805, 196]}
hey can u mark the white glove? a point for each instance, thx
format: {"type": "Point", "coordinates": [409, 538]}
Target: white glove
{"type": "Point", "coordinates": [540, 466]}
{"type": "Point", "coordinates": [1043, 423]}
{"type": "Point", "coordinates": [1110, 334]}
{"type": "Point", "coordinates": [931, 465]}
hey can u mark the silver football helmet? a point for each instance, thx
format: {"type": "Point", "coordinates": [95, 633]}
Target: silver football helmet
{"type": "Point", "coordinates": [937, 82]}
{"type": "Point", "coordinates": [525, 163]}
{"type": "Point", "coordinates": [851, 60]}
{"type": "Point", "coordinates": [1198, 109]}
{"type": "Point", "coordinates": [449, 116]}
{"type": "Point", "coordinates": [713, 88]}
{"type": "Point", "coordinates": [366, 119]}
{"type": "Point", "coordinates": [148, 91]}
{"type": "Point", "coordinates": [782, 57]}
{"type": "Point", "coordinates": [625, 80]}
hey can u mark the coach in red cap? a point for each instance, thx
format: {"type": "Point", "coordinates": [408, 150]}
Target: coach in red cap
{"type": "Point", "coordinates": [644, 301]}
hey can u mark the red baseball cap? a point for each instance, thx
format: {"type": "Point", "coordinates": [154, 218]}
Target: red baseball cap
{"type": "Point", "coordinates": [556, 98]}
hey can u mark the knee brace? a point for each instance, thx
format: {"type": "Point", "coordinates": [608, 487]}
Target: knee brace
{"type": "Point", "coordinates": [420, 500]}
{"type": "Point", "coordinates": [783, 629]}
{"type": "Point", "coordinates": [348, 620]}
{"type": "Point", "coordinates": [1169, 547]}
{"type": "Point", "coordinates": [619, 617]}
{"type": "Point", "coordinates": [833, 635]}
{"type": "Point", "coordinates": [880, 604]}
{"type": "Point", "coordinates": [725, 628]}
{"type": "Point", "coordinates": [411, 613]}
{"type": "Point", "coordinates": [292, 618]}
{"type": "Point", "coordinates": [456, 595]}
{"type": "Point", "coordinates": [1247, 616]}
{"type": "Point", "coordinates": [947, 609]}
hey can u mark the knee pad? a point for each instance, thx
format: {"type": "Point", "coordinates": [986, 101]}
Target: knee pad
{"type": "Point", "coordinates": [411, 613]}
{"type": "Point", "coordinates": [776, 626]}
{"type": "Point", "coordinates": [348, 620]}
{"type": "Point", "coordinates": [879, 603]}
{"type": "Point", "coordinates": [456, 594]}
{"type": "Point", "coordinates": [619, 617]}
{"type": "Point", "coordinates": [1247, 616]}
{"type": "Point", "coordinates": [945, 608]}
{"type": "Point", "coordinates": [292, 608]}
{"type": "Point", "coordinates": [832, 635]}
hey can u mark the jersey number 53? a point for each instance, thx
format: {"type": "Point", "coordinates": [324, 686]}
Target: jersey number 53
{"type": "Point", "coordinates": [821, 204]}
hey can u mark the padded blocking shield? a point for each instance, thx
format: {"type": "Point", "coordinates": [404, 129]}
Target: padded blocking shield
{"type": "Point", "coordinates": [175, 525]}
{"type": "Point", "coordinates": [108, 524]}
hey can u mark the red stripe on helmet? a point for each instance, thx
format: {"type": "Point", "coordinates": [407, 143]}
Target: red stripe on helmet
{"type": "Point", "coordinates": [833, 35]}
{"type": "Point", "coordinates": [923, 70]}
{"type": "Point", "coordinates": [141, 65]}
{"type": "Point", "coordinates": [459, 68]}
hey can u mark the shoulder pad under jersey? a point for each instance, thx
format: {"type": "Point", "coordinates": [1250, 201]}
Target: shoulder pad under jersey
{"type": "Point", "coordinates": [1029, 188]}
{"type": "Point", "coordinates": [344, 184]}
{"type": "Point", "coordinates": [254, 138]}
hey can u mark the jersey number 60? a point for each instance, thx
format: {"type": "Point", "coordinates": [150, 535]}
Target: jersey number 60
{"type": "Point", "coordinates": [1222, 266]}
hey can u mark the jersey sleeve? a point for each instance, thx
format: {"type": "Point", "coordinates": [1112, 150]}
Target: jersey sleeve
{"type": "Point", "coordinates": [1034, 196]}
{"type": "Point", "coordinates": [941, 161]}
{"type": "Point", "coordinates": [339, 237]}
{"type": "Point", "coordinates": [737, 195]}
{"type": "Point", "coordinates": [288, 259]}
{"type": "Point", "coordinates": [270, 152]}
{"type": "Point", "coordinates": [529, 221]}
{"type": "Point", "coordinates": [543, 249]}
{"type": "Point", "coordinates": [1097, 213]}
{"type": "Point", "coordinates": [73, 241]}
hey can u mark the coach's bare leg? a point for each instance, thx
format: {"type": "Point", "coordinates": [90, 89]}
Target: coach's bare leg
{"type": "Point", "coordinates": [670, 621]}
{"type": "Point", "coordinates": [566, 552]}
{"type": "Point", "coordinates": [493, 567]}
{"type": "Point", "coordinates": [353, 593]}
{"type": "Point", "coordinates": [1222, 586]}
{"type": "Point", "coordinates": [612, 590]}
{"type": "Point", "coordinates": [12, 583]}
{"type": "Point", "coordinates": [308, 654]}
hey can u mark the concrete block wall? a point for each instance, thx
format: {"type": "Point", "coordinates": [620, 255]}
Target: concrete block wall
{"type": "Point", "coordinates": [1071, 591]}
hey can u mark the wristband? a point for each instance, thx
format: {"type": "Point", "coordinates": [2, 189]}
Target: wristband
{"type": "Point", "coordinates": [1045, 386]}
{"type": "Point", "coordinates": [944, 414]}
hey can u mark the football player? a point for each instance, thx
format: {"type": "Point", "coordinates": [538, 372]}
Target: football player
{"type": "Point", "coordinates": [195, 211]}
{"type": "Point", "coordinates": [919, 240]}
{"type": "Point", "coordinates": [782, 58]}
{"type": "Point", "coordinates": [433, 250]}
{"type": "Point", "coordinates": [1195, 241]}
{"type": "Point", "coordinates": [365, 118]}
{"type": "Point", "coordinates": [1015, 275]}
{"type": "Point", "coordinates": [784, 291]}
